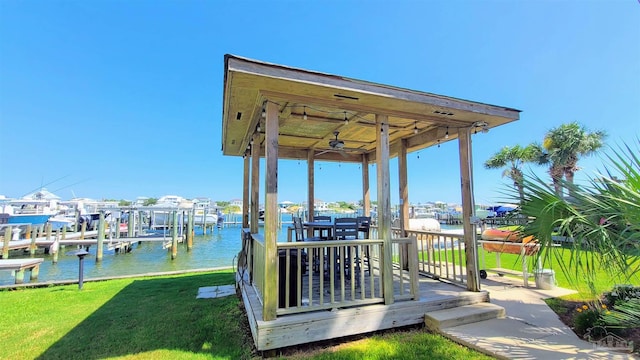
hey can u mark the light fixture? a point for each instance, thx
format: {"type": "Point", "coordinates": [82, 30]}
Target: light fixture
{"type": "Point", "coordinates": [264, 113]}
{"type": "Point", "coordinates": [415, 127]}
{"type": "Point", "coordinates": [446, 135]}
{"type": "Point", "coordinates": [304, 113]}
{"type": "Point", "coordinates": [346, 121]}
{"type": "Point", "coordinates": [258, 128]}
{"type": "Point", "coordinates": [438, 142]}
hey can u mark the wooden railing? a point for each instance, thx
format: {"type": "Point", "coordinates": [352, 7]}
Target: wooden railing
{"type": "Point", "coordinates": [440, 255]}
{"type": "Point", "coordinates": [321, 275]}
{"type": "Point", "coordinates": [257, 262]}
{"type": "Point", "coordinates": [405, 269]}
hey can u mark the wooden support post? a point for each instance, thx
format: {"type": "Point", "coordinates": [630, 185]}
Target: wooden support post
{"type": "Point", "coordinates": [55, 248]}
{"type": "Point", "coordinates": [255, 184]}
{"type": "Point", "coordinates": [174, 235]}
{"type": "Point", "coordinates": [140, 222]}
{"type": "Point", "coordinates": [34, 236]}
{"type": "Point", "coordinates": [64, 232]}
{"type": "Point", "coordinates": [48, 229]}
{"type": "Point", "coordinates": [245, 191]}
{"type": "Point", "coordinates": [311, 202]}
{"type": "Point", "coordinates": [27, 234]}
{"type": "Point", "coordinates": [5, 244]}
{"type": "Point", "coordinates": [466, 179]}
{"type": "Point", "coordinates": [192, 214]}
{"type": "Point", "coordinates": [83, 228]}
{"type": "Point", "coordinates": [100, 247]}
{"type": "Point", "coordinates": [404, 201]}
{"type": "Point", "coordinates": [116, 224]}
{"type": "Point", "coordinates": [366, 195]}
{"type": "Point", "coordinates": [20, 276]}
{"type": "Point", "coordinates": [270, 295]}
{"type": "Point", "coordinates": [131, 223]}
{"type": "Point", "coordinates": [35, 272]}
{"type": "Point", "coordinates": [384, 205]}
{"type": "Point", "coordinates": [75, 224]}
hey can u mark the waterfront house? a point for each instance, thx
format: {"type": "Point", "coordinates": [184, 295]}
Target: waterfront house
{"type": "Point", "coordinates": [300, 292]}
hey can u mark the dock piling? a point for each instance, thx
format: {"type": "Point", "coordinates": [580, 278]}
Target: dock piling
{"type": "Point", "coordinates": [34, 237]}
{"type": "Point", "coordinates": [192, 213]}
{"type": "Point", "coordinates": [6, 239]}
{"type": "Point", "coordinates": [100, 248]}
{"type": "Point", "coordinates": [174, 236]}
{"type": "Point", "coordinates": [55, 247]}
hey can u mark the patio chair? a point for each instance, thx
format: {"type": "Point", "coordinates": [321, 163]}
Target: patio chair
{"type": "Point", "coordinates": [347, 229]}
{"type": "Point", "coordinates": [318, 218]}
{"type": "Point", "coordinates": [299, 236]}
{"type": "Point", "coordinates": [364, 226]}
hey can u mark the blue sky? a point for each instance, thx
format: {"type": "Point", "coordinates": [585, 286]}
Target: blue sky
{"type": "Point", "coordinates": [119, 99]}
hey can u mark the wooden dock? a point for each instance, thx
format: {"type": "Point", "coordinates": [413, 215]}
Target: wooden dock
{"type": "Point", "coordinates": [20, 265]}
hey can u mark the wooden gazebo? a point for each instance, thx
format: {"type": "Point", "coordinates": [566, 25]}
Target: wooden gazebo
{"type": "Point", "coordinates": [276, 112]}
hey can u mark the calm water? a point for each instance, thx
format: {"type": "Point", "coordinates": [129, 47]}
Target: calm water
{"type": "Point", "coordinates": [212, 250]}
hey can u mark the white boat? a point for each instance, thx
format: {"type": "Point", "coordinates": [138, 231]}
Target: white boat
{"type": "Point", "coordinates": [167, 204]}
{"type": "Point", "coordinates": [35, 208]}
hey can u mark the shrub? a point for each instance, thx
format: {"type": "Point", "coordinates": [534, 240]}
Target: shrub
{"type": "Point", "coordinates": [586, 317]}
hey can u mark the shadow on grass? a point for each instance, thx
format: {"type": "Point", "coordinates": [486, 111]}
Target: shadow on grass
{"type": "Point", "coordinates": [159, 316]}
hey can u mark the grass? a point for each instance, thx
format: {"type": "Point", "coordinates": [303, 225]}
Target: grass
{"type": "Point", "coordinates": [160, 318]}
{"type": "Point", "coordinates": [513, 261]}
{"type": "Point", "coordinates": [145, 318]}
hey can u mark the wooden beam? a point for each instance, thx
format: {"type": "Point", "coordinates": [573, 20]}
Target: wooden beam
{"type": "Point", "coordinates": [357, 107]}
{"type": "Point", "coordinates": [466, 177]}
{"type": "Point", "coordinates": [384, 204]}
{"type": "Point", "coordinates": [271, 214]}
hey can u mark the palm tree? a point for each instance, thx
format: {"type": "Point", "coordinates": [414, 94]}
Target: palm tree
{"type": "Point", "coordinates": [513, 158]}
{"type": "Point", "coordinates": [603, 220]}
{"type": "Point", "coordinates": [565, 145]}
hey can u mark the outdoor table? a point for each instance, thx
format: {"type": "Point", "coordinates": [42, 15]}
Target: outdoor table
{"type": "Point", "coordinates": [320, 226]}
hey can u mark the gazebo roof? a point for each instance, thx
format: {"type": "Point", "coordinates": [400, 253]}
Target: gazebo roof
{"type": "Point", "coordinates": [313, 106]}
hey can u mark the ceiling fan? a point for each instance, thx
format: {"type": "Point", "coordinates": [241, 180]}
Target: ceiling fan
{"type": "Point", "coordinates": [335, 143]}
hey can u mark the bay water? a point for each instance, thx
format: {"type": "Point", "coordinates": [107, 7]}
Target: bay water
{"type": "Point", "coordinates": [214, 249]}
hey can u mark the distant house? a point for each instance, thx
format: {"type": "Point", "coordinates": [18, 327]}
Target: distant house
{"type": "Point", "coordinates": [202, 202]}
{"type": "Point", "coordinates": [236, 202]}
{"type": "Point", "coordinates": [320, 205]}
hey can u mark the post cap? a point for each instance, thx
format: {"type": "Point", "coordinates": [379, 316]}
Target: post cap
{"type": "Point", "coordinates": [79, 253]}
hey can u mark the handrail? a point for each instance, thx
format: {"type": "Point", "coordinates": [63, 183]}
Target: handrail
{"type": "Point", "coordinates": [331, 272]}
{"type": "Point", "coordinates": [440, 255]}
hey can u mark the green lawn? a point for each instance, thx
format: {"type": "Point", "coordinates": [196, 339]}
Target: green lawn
{"type": "Point", "coordinates": [513, 261]}
{"type": "Point", "coordinates": [160, 318]}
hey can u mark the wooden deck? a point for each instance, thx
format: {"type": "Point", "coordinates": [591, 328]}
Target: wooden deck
{"type": "Point", "coordinates": [335, 322]}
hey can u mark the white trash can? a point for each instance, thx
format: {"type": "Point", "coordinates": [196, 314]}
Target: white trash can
{"type": "Point", "coordinates": [545, 279]}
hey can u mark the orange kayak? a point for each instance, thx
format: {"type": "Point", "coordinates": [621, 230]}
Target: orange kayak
{"type": "Point", "coordinates": [502, 239]}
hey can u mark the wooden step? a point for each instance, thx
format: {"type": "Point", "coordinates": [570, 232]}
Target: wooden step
{"type": "Point", "coordinates": [462, 315]}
